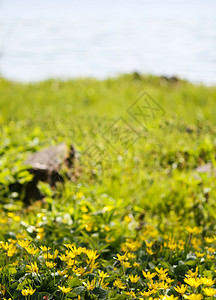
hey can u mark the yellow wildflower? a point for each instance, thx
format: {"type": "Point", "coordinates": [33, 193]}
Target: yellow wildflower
{"type": "Point", "coordinates": [147, 293]}
{"type": "Point", "coordinates": [126, 264]}
{"type": "Point", "coordinates": [92, 255]}
{"type": "Point", "coordinates": [119, 284]}
{"type": "Point", "coordinates": [192, 230]}
{"type": "Point", "coordinates": [24, 244]}
{"type": "Point", "coordinates": [209, 291]}
{"type": "Point", "coordinates": [149, 275]}
{"type": "Point", "coordinates": [194, 282]}
{"type": "Point", "coordinates": [50, 264]}
{"type": "Point", "coordinates": [161, 270]}
{"type": "Point", "coordinates": [149, 251]}
{"type": "Point", "coordinates": [44, 248]}
{"type": "Point", "coordinates": [64, 289]}
{"type": "Point", "coordinates": [134, 278]}
{"type": "Point", "coordinates": [103, 275]}
{"type": "Point", "coordinates": [192, 274]}
{"type": "Point", "coordinates": [209, 240]}
{"type": "Point", "coordinates": [61, 273]}
{"type": "Point", "coordinates": [91, 285]}
{"type": "Point", "coordinates": [12, 251]}
{"type": "Point", "coordinates": [198, 254]}
{"type": "Point", "coordinates": [207, 281]}
{"type": "Point", "coordinates": [181, 289]}
{"type": "Point", "coordinates": [127, 219]}
{"type": "Point", "coordinates": [31, 251]}
{"type": "Point", "coordinates": [149, 244]}
{"type": "Point", "coordinates": [27, 292]}
{"type": "Point", "coordinates": [131, 293]}
{"type": "Point", "coordinates": [33, 268]}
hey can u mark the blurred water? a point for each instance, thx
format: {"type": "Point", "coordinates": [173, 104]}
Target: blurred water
{"type": "Point", "coordinates": [70, 38]}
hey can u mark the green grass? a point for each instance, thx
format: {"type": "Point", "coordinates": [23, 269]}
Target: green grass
{"type": "Point", "coordinates": [151, 181]}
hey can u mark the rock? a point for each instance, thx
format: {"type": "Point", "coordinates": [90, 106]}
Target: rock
{"type": "Point", "coordinates": [207, 168]}
{"type": "Point", "coordinates": [46, 166]}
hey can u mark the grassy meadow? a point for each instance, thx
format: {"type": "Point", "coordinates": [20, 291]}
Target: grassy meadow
{"type": "Point", "coordinates": [137, 221]}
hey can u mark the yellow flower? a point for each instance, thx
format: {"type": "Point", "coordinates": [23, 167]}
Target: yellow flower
{"type": "Point", "coordinates": [31, 251]}
{"type": "Point", "coordinates": [33, 268]}
{"type": "Point", "coordinates": [64, 289]}
{"type": "Point", "coordinates": [149, 245]}
{"type": "Point", "coordinates": [79, 195]}
{"type": "Point", "coordinates": [122, 257]}
{"type": "Point", "coordinates": [169, 280]}
{"type": "Point", "coordinates": [134, 278]}
{"type": "Point", "coordinates": [181, 289]}
{"type": "Point", "coordinates": [161, 270]}
{"type": "Point", "coordinates": [54, 255]}
{"type": "Point", "coordinates": [12, 251]}
{"type": "Point", "coordinates": [27, 292]}
{"type": "Point", "coordinates": [61, 273]}
{"type": "Point", "coordinates": [149, 275]}
{"type": "Point", "coordinates": [163, 276]}
{"type": "Point", "coordinates": [24, 244]}
{"type": "Point", "coordinates": [84, 208]}
{"type": "Point", "coordinates": [192, 230]}
{"type": "Point", "coordinates": [108, 208]}
{"type": "Point", "coordinates": [211, 250]}
{"type": "Point", "coordinates": [91, 285]}
{"type": "Point", "coordinates": [103, 275]}
{"type": "Point", "coordinates": [104, 285]}
{"type": "Point", "coordinates": [133, 245]}
{"type": "Point", "coordinates": [79, 271]}
{"type": "Point", "coordinates": [193, 297]}
{"type": "Point", "coordinates": [119, 284]}
{"type": "Point", "coordinates": [126, 264]}
{"type": "Point", "coordinates": [192, 274]}
{"type": "Point", "coordinates": [162, 285]}
{"type": "Point", "coordinates": [198, 254]}
{"type": "Point", "coordinates": [149, 251]}
{"type": "Point", "coordinates": [207, 281]}
{"type": "Point", "coordinates": [50, 264]}
{"type": "Point", "coordinates": [147, 293]}
{"type": "Point", "coordinates": [130, 255]}
{"type": "Point", "coordinates": [209, 240]}
{"type": "Point", "coordinates": [131, 293]}
{"type": "Point", "coordinates": [63, 257]}
{"type": "Point", "coordinates": [92, 255]}
{"type": "Point", "coordinates": [6, 246]}
{"type": "Point", "coordinates": [194, 282]}
{"type": "Point", "coordinates": [44, 248]}
{"type": "Point", "coordinates": [209, 291]}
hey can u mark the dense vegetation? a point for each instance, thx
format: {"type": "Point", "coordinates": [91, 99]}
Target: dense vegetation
{"type": "Point", "coordinates": [137, 221]}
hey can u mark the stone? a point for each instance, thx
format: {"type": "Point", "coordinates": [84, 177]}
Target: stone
{"type": "Point", "coordinates": [207, 168]}
{"type": "Point", "coordinates": [45, 165]}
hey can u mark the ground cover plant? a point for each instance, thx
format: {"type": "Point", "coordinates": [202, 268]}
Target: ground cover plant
{"type": "Point", "coordinates": [137, 220]}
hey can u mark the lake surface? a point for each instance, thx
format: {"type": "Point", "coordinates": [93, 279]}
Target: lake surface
{"type": "Point", "coordinates": [67, 38]}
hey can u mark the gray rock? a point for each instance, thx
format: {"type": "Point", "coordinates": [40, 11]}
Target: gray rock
{"type": "Point", "coordinates": [46, 165]}
{"type": "Point", "coordinates": [207, 168]}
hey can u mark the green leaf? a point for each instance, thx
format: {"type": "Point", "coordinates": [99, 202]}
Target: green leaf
{"type": "Point", "coordinates": [78, 290]}
{"type": "Point", "coordinates": [74, 282]}
{"type": "Point", "coordinates": [100, 293]}
{"type": "Point", "coordinates": [181, 270]}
